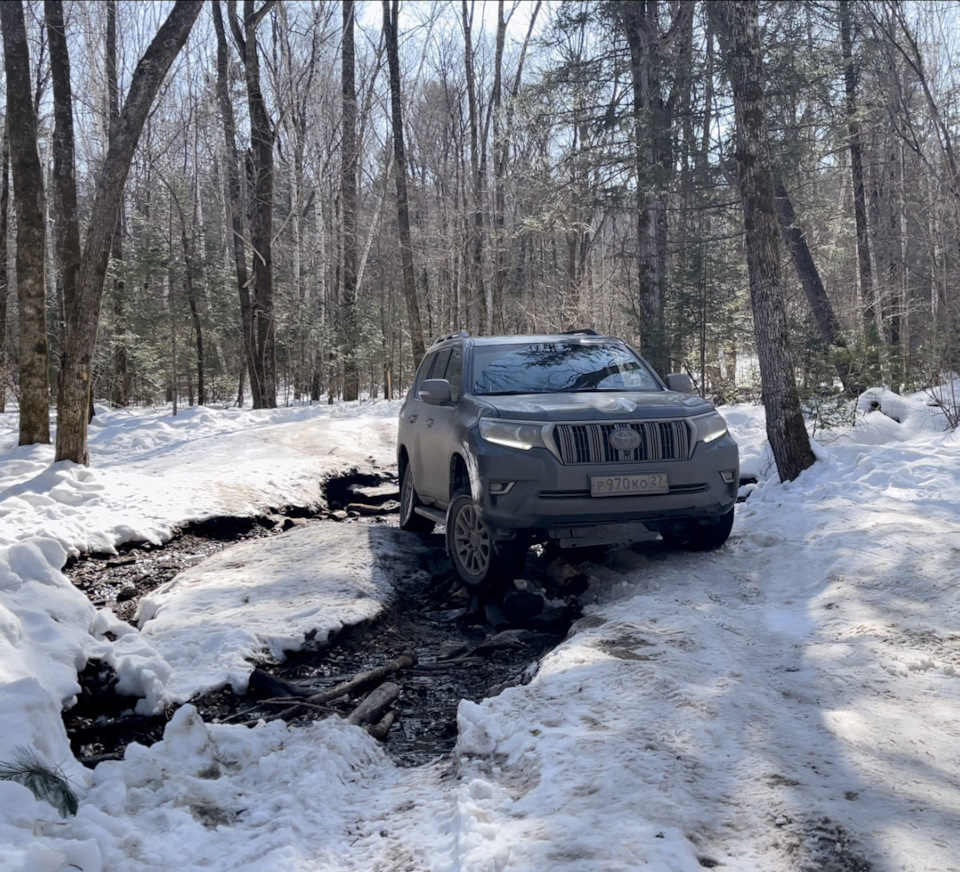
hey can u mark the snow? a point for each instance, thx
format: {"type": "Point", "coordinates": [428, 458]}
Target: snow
{"type": "Point", "coordinates": [789, 702]}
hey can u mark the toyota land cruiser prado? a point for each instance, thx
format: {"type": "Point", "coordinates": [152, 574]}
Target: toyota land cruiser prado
{"type": "Point", "coordinates": [570, 438]}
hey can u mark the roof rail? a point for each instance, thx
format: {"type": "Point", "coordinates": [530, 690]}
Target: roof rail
{"type": "Point", "coordinates": [583, 331]}
{"type": "Point", "coordinates": [461, 335]}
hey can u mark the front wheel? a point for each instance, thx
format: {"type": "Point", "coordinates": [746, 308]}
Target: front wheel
{"type": "Point", "coordinates": [409, 519]}
{"type": "Point", "coordinates": [698, 537]}
{"type": "Point", "coordinates": [478, 559]}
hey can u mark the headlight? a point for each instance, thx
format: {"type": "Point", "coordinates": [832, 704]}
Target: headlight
{"type": "Point", "coordinates": [512, 434]}
{"type": "Point", "coordinates": [710, 426]}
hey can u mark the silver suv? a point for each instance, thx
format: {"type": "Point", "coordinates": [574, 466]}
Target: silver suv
{"type": "Point", "coordinates": [570, 438]}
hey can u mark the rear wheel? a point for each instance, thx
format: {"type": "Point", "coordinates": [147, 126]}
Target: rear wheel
{"type": "Point", "coordinates": [480, 560]}
{"type": "Point", "coordinates": [409, 519]}
{"type": "Point", "coordinates": [700, 537]}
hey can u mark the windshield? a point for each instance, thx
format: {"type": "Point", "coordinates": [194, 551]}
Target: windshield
{"type": "Point", "coordinates": [550, 367]}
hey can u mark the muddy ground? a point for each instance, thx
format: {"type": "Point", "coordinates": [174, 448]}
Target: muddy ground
{"type": "Point", "coordinates": [465, 647]}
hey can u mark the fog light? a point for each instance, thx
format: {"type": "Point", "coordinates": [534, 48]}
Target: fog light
{"type": "Point", "coordinates": [727, 476]}
{"type": "Point", "coordinates": [499, 488]}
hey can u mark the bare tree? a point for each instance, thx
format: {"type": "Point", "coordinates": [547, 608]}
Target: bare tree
{"type": "Point", "coordinates": [390, 12]}
{"type": "Point", "coordinates": [482, 297]}
{"type": "Point", "coordinates": [348, 206]}
{"type": "Point", "coordinates": [188, 244]}
{"type": "Point", "coordinates": [4, 270]}
{"type": "Point", "coordinates": [235, 200]}
{"type": "Point", "coordinates": [815, 291]}
{"type": "Point", "coordinates": [864, 264]}
{"type": "Point", "coordinates": [30, 204]}
{"type": "Point", "coordinates": [737, 27]}
{"type": "Point", "coordinates": [653, 119]}
{"type": "Point", "coordinates": [121, 373]}
{"type": "Point", "coordinates": [260, 170]}
{"type": "Point", "coordinates": [82, 307]}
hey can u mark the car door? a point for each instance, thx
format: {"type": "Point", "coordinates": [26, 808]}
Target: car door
{"type": "Point", "coordinates": [439, 436]}
{"type": "Point", "coordinates": [412, 419]}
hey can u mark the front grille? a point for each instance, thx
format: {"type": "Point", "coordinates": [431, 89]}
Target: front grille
{"type": "Point", "coordinates": [590, 443]}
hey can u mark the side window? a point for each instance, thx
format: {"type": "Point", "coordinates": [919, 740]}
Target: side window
{"type": "Point", "coordinates": [454, 372]}
{"type": "Point", "coordinates": [440, 364]}
{"type": "Point", "coordinates": [424, 372]}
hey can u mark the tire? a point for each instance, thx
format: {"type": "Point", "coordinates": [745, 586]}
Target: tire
{"type": "Point", "coordinates": [478, 559]}
{"type": "Point", "coordinates": [699, 537]}
{"type": "Point", "coordinates": [409, 519]}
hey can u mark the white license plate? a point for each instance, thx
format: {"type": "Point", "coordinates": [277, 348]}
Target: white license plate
{"type": "Point", "coordinates": [626, 485]}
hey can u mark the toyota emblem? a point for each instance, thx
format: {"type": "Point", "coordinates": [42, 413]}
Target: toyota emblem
{"type": "Point", "coordinates": [624, 439]}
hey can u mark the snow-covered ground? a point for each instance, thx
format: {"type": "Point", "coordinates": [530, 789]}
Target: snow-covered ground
{"type": "Point", "coordinates": [789, 702]}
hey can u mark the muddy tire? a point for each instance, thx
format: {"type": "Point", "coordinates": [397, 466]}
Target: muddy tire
{"type": "Point", "coordinates": [409, 519]}
{"type": "Point", "coordinates": [697, 537]}
{"type": "Point", "coordinates": [479, 560]}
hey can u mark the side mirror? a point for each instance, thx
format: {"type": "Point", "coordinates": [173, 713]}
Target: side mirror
{"type": "Point", "coordinates": [680, 382]}
{"type": "Point", "coordinates": [435, 391]}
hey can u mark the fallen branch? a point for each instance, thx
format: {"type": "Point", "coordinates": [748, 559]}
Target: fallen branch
{"type": "Point", "coordinates": [375, 705]}
{"type": "Point", "coordinates": [354, 686]}
{"type": "Point", "coordinates": [380, 729]}
{"type": "Point", "coordinates": [262, 684]}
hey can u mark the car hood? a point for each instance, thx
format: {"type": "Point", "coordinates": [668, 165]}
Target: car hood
{"type": "Point", "coordinates": [589, 405]}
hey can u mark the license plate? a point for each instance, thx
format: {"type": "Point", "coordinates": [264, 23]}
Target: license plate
{"type": "Point", "coordinates": [626, 485]}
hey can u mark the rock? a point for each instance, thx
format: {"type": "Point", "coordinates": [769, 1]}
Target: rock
{"type": "Point", "coordinates": [555, 621]}
{"type": "Point", "coordinates": [495, 617]}
{"type": "Point", "coordinates": [521, 605]}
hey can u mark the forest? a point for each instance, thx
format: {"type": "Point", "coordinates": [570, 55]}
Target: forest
{"type": "Point", "coordinates": [285, 201]}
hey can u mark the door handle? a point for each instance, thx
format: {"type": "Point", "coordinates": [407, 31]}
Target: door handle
{"type": "Point", "coordinates": [429, 422]}
{"type": "Point", "coordinates": [412, 419]}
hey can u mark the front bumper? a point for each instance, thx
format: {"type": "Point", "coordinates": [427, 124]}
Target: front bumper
{"type": "Point", "coordinates": [543, 494]}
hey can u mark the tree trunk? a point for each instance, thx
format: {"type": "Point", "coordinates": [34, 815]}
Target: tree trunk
{"type": "Point", "coordinates": [390, 11]}
{"type": "Point", "coordinates": [120, 394]}
{"type": "Point", "coordinates": [83, 310]}
{"type": "Point", "coordinates": [653, 166]}
{"type": "Point", "coordinates": [868, 311]}
{"type": "Point", "coordinates": [4, 268]}
{"type": "Point", "coordinates": [235, 196]}
{"type": "Point", "coordinates": [500, 152]}
{"type": "Point", "coordinates": [737, 28]}
{"type": "Point", "coordinates": [477, 174]}
{"type": "Point", "coordinates": [816, 293]}
{"type": "Point", "coordinates": [30, 204]}
{"type": "Point", "coordinates": [187, 246]}
{"type": "Point", "coordinates": [260, 180]}
{"type": "Point", "coordinates": [348, 205]}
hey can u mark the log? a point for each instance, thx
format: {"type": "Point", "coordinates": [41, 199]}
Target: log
{"type": "Point", "coordinates": [355, 685]}
{"type": "Point", "coordinates": [262, 684]}
{"type": "Point", "coordinates": [380, 729]}
{"type": "Point", "coordinates": [375, 704]}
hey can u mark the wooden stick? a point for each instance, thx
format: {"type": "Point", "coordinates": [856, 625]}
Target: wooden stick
{"type": "Point", "coordinates": [355, 685]}
{"type": "Point", "coordinates": [376, 703]}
